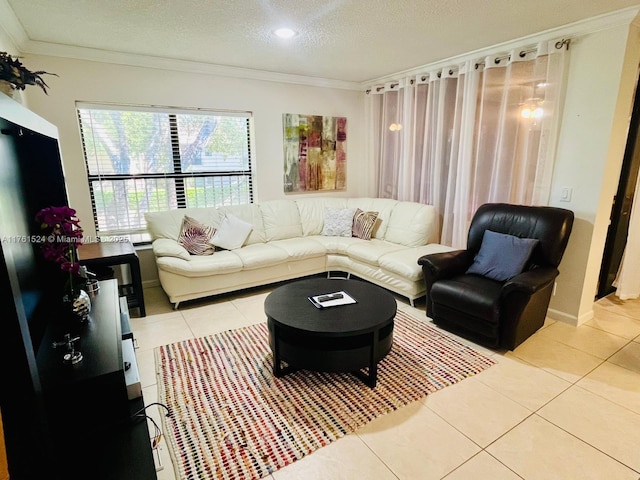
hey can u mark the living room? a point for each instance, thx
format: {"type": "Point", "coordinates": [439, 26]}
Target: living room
{"type": "Point", "coordinates": [604, 55]}
{"type": "Point", "coordinates": [593, 130]}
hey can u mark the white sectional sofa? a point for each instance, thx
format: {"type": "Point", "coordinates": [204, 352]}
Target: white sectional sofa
{"type": "Point", "coordinates": [287, 242]}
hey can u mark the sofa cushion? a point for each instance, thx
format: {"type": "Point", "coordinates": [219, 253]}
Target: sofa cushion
{"type": "Point", "coordinates": [412, 224]}
{"type": "Point", "coordinates": [260, 255]}
{"type": "Point", "coordinates": [195, 236]}
{"type": "Point", "coordinates": [405, 262]}
{"type": "Point", "coordinates": [301, 247]}
{"type": "Point", "coordinates": [312, 212]}
{"type": "Point", "coordinates": [167, 224]}
{"type": "Point", "coordinates": [202, 266]}
{"type": "Point", "coordinates": [502, 256]}
{"type": "Point", "coordinates": [470, 294]}
{"type": "Point", "coordinates": [337, 245]}
{"type": "Point", "coordinates": [165, 247]}
{"type": "Point", "coordinates": [370, 251]}
{"type": "Point", "coordinates": [281, 219]}
{"type": "Point", "coordinates": [338, 221]}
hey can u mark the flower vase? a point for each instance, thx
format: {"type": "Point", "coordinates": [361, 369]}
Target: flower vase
{"type": "Point", "coordinates": [8, 89]}
{"type": "Point", "coordinates": [78, 306]}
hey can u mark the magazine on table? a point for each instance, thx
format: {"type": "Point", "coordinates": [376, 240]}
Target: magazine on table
{"type": "Point", "coordinates": [334, 299]}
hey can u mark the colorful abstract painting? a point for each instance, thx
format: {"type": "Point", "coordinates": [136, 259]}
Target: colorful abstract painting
{"type": "Point", "coordinates": [315, 153]}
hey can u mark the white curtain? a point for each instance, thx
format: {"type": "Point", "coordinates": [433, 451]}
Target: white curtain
{"type": "Point", "coordinates": [388, 113]}
{"type": "Point", "coordinates": [456, 138]}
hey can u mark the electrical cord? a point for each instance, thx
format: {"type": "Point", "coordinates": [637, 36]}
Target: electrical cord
{"type": "Point", "coordinates": [151, 404]}
{"type": "Point", "coordinates": [157, 434]}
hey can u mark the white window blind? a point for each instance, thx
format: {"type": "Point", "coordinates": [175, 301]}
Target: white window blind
{"type": "Point", "coordinates": [145, 159]}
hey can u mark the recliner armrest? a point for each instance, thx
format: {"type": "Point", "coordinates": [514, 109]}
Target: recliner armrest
{"type": "Point", "coordinates": [530, 281]}
{"type": "Point", "coordinates": [436, 266]}
{"type": "Point", "coordinates": [446, 264]}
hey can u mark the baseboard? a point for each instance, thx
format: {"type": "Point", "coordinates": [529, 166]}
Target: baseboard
{"type": "Point", "coordinates": [585, 317]}
{"type": "Point", "coordinates": [570, 319]}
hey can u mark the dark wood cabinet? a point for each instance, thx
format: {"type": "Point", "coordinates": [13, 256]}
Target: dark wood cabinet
{"type": "Point", "coordinates": [92, 425]}
{"type": "Point", "coordinates": [60, 421]}
{"type": "Point", "coordinates": [30, 178]}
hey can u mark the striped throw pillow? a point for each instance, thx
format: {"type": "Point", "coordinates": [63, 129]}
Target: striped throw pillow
{"type": "Point", "coordinates": [195, 237]}
{"type": "Point", "coordinates": [363, 223]}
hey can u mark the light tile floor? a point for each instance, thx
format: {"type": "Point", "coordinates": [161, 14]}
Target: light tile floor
{"type": "Point", "coordinates": [563, 405]}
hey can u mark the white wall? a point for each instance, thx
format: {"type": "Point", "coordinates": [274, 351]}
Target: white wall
{"type": "Point", "coordinates": [6, 45]}
{"type": "Point", "coordinates": [602, 75]}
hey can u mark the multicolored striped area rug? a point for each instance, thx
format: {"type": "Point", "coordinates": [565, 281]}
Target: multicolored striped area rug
{"type": "Point", "coordinates": [232, 419]}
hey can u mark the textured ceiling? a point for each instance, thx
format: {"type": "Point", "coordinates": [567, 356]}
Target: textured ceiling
{"type": "Point", "coordinates": [349, 40]}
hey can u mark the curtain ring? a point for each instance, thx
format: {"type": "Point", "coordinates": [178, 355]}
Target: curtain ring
{"type": "Point", "coordinates": [411, 81]}
{"type": "Point", "coordinates": [451, 71]}
{"type": "Point", "coordinates": [423, 78]}
{"type": "Point", "coordinates": [439, 74]}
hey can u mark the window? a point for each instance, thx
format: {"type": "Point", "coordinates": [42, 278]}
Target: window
{"type": "Point", "coordinates": [144, 159]}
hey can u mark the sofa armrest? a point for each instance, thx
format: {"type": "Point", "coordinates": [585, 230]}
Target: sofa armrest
{"type": "Point", "coordinates": [530, 281]}
{"type": "Point", "coordinates": [445, 264]}
{"type": "Point", "coordinates": [166, 247]}
{"type": "Point", "coordinates": [436, 266]}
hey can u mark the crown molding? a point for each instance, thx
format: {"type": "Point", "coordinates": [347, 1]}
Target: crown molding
{"type": "Point", "coordinates": [11, 26]}
{"type": "Point", "coordinates": [136, 60]}
{"type": "Point", "coordinates": [18, 36]}
{"type": "Point", "coordinates": [619, 18]}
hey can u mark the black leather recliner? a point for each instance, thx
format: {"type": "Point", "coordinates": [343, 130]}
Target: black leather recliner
{"type": "Point", "coordinates": [494, 313]}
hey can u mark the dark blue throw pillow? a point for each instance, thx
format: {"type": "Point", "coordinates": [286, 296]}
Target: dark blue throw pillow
{"type": "Point", "coordinates": [502, 256]}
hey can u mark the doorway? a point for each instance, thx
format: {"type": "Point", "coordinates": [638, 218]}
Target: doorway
{"type": "Point", "coordinates": [621, 208]}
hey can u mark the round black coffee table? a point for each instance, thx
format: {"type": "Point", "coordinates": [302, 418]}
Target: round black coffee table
{"type": "Point", "coordinates": [345, 338]}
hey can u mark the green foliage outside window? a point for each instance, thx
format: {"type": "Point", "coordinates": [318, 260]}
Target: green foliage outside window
{"type": "Point", "coordinates": [141, 160]}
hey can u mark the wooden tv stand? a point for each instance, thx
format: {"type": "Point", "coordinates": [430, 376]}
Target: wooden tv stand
{"type": "Point", "coordinates": [92, 432]}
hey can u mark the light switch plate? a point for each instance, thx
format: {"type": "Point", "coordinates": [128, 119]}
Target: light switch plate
{"type": "Point", "coordinates": [565, 194]}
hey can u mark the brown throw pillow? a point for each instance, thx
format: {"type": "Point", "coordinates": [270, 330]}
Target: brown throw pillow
{"type": "Point", "coordinates": [195, 237]}
{"type": "Point", "coordinates": [363, 223]}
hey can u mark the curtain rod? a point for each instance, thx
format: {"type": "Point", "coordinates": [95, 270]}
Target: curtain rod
{"type": "Point", "coordinates": [521, 54]}
{"type": "Point", "coordinates": [565, 42]}
{"type": "Point", "coordinates": [559, 45]}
